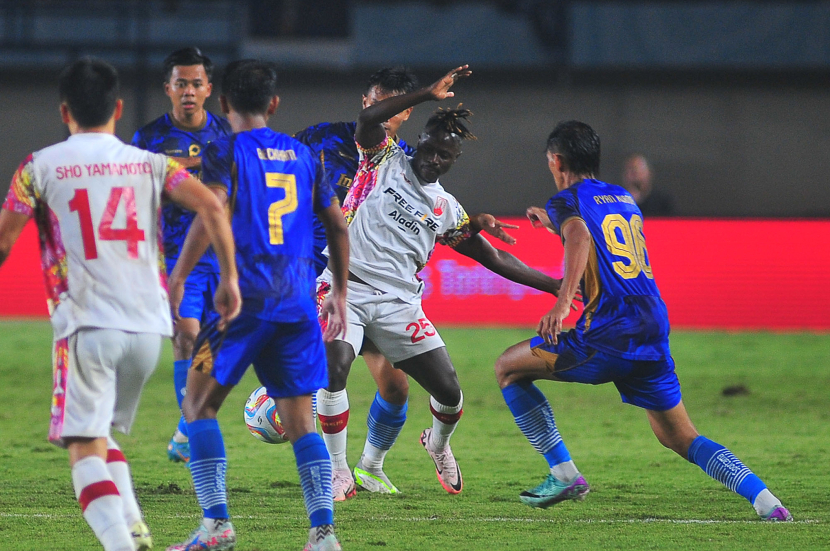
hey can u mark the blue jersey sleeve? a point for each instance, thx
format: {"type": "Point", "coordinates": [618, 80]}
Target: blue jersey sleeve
{"type": "Point", "coordinates": [138, 140]}
{"type": "Point", "coordinates": [303, 136]}
{"type": "Point", "coordinates": [562, 207]}
{"type": "Point", "coordinates": [217, 164]}
{"type": "Point", "coordinates": [408, 149]}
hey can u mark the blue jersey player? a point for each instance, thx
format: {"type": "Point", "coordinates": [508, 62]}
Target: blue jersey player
{"type": "Point", "coordinates": [184, 133]}
{"type": "Point", "coordinates": [274, 187]}
{"type": "Point", "coordinates": [334, 142]}
{"type": "Point", "coordinates": [621, 337]}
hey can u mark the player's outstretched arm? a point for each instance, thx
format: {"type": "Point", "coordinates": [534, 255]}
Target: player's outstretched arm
{"type": "Point", "coordinates": [337, 237]}
{"type": "Point", "coordinates": [210, 226]}
{"type": "Point", "coordinates": [188, 162]}
{"type": "Point", "coordinates": [489, 223]}
{"type": "Point", "coordinates": [506, 265]}
{"type": "Point", "coordinates": [11, 224]}
{"type": "Point", "coordinates": [578, 244]}
{"type": "Point", "coordinates": [370, 131]}
{"type": "Point", "coordinates": [540, 219]}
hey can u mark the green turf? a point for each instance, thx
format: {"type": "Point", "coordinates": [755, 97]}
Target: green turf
{"type": "Point", "coordinates": [642, 496]}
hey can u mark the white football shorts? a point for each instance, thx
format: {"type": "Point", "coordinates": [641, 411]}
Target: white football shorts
{"type": "Point", "coordinates": [400, 330]}
{"type": "Point", "coordinates": [98, 378]}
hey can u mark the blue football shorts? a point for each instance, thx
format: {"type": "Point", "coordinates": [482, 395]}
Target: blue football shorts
{"type": "Point", "coordinates": [647, 384]}
{"type": "Point", "coordinates": [289, 357]}
{"type": "Point", "coordinates": [199, 288]}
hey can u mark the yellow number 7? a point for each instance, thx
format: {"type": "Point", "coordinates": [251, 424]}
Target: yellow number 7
{"type": "Point", "coordinates": [277, 210]}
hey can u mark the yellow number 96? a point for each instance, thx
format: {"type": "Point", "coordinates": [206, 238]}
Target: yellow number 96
{"type": "Point", "coordinates": [277, 210]}
{"type": "Point", "coordinates": [630, 244]}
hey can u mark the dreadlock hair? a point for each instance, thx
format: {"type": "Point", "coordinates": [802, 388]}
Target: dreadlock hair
{"type": "Point", "coordinates": [449, 121]}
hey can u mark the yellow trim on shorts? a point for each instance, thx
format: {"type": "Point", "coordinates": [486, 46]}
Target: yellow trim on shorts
{"type": "Point", "coordinates": [546, 355]}
{"type": "Point", "coordinates": [203, 360]}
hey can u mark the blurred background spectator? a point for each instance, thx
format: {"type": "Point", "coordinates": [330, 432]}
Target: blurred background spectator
{"type": "Point", "coordinates": [638, 180]}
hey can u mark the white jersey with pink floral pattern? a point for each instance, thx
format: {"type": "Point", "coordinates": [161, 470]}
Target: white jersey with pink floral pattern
{"type": "Point", "coordinates": [395, 220]}
{"type": "Point", "coordinates": [96, 202]}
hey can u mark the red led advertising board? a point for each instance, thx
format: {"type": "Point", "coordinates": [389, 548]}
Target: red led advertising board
{"type": "Point", "coordinates": [713, 274]}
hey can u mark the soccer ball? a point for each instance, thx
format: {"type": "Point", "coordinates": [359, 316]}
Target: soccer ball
{"type": "Point", "coordinates": [262, 419]}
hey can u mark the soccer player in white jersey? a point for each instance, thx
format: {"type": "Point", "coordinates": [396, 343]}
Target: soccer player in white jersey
{"type": "Point", "coordinates": [397, 212]}
{"type": "Point", "coordinates": [96, 202]}
{"type": "Point", "coordinates": [334, 143]}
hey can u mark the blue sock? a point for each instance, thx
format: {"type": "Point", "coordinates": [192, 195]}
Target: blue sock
{"type": "Point", "coordinates": [180, 368]}
{"type": "Point", "coordinates": [182, 425]}
{"type": "Point", "coordinates": [385, 422]}
{"type": "Point", "coordinates": [314, 466]}
{"type": "Point", "coordinates": [208, 464]}
{"type": "Point", "coordinates": [532, 412]}
{"type": "Point", "coordinates": [719, 463]}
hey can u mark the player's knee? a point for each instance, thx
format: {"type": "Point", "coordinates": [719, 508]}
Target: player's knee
{"type": "Point", "coordinates": [196, 407]}
{"type": "Point", "coordinates": [340, 357]}
{"type": "Point", "coordinates": [449, 394]}
{"type": "Point", "coordinates": [678, 443]}
{"type": "Point", "coordinates": [184, 343]}
{"type": "Point", "coordinates": [506, 375]}
{"type": "Point", "coordinates": [338, 375]}
{"type": "Point", "coordinates": [395, 392]}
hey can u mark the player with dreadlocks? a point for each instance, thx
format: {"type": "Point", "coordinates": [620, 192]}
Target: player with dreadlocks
{"type": "Point", "coordinates": [397, 211]}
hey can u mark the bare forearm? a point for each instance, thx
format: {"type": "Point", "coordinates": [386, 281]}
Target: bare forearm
{"type": "Point", "coordinates": [195, 244]}
{"type": "Point", "coordinates": [339, 259]}
{"type": "Point", "coordinates": [370, 131]}
{"type": "Point", "coordinates": [11, 225]}
{"type": "Point", "coordinates": [577, 249]}
{"type": "Point", "coordinates": [382, 111]}
{"type": "Point", "coordinates": [219, 231]}
{"type": "Point", "coordinates": [508, 266]}
{"type": "Point", "coordinates": [337, 238]}
{"type": "Point", "coordinates": [505, 264]}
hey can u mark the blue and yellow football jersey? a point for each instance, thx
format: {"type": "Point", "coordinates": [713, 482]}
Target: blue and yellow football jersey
{"type": "Point", "coordinates": [162, 136]}
{"type": "Point", "coordinates": [333, 143]}
{"type": "Point", "coordinates": [275, 188]}
{"type": "Point", "coordinates": [624, 315]}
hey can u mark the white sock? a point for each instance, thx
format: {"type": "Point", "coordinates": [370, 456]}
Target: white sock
{"type": "Point", "coordinates": [443, 428]}
{"type": "Point", "coordinates": [101, 505]}
{"type": "Point", "coordinates": [179, 438]}
{"type": "Point", "coordinates": [373, 457]}
{"type": "Point", "coordinates": [565, 472]}
{"type": "Point", "coordinates": [120, 472]}
{"type": "Point", "coordinates": [333, 412]}
{"type": "Point", "coordinates": [765, 502]}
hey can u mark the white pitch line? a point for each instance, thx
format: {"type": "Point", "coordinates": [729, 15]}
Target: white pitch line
{"type": "Point", "coordinates": [455, 519]}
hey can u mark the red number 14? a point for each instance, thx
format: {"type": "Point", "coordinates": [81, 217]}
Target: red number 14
{"type": "Point", "coordinates": [131, 234]}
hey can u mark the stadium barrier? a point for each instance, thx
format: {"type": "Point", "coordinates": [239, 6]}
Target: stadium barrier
{"type": "Point", "coordinates": [712, 273]}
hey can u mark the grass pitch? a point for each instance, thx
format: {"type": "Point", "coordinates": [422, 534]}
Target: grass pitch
{"type": "Point", "coordinates": [642, 496]}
